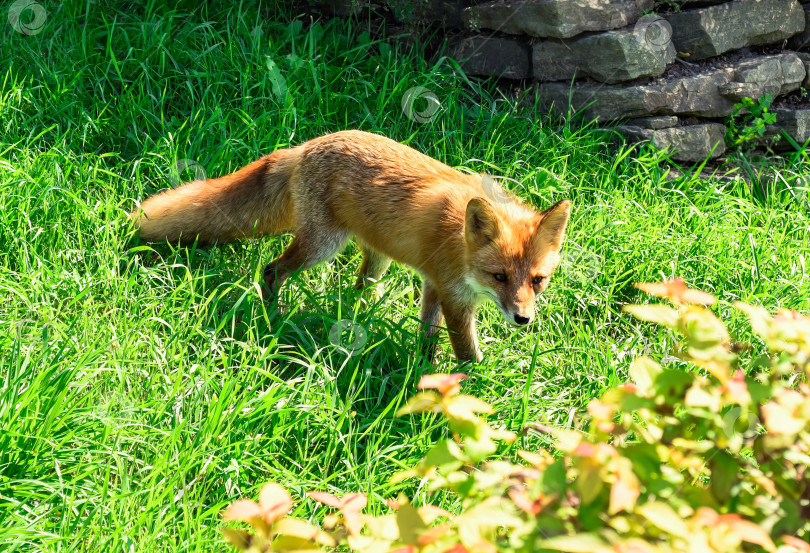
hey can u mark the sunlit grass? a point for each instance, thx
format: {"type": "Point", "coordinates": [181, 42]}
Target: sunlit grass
{"type": "Point", "coordinates": [145, 387]}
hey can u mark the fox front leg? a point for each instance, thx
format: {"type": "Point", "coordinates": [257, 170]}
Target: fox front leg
{"type": "Point", "coordinates": [430, 319]}
{"type": "Point", "coordinates": [461, 327]}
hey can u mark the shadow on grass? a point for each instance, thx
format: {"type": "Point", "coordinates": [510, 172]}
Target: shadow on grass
{"type": "Point", "coordinates": [322, 331]}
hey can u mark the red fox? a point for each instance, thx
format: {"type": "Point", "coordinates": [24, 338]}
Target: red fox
{"type": "Point", "coordinates": [468, 239]}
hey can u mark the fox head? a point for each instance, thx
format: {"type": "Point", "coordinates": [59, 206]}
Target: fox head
{"type": "Point", "coordinates": [511, 259]}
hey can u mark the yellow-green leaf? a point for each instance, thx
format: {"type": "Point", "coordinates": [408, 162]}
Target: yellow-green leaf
{"type": "Point", "coordinates": [581, 543]}
{"type": "Point", "coordinates": [410, 524]}
{"type": "Point", "coordinates": [421, 402]}
{"type": "Point", "coordinates": [465, 407]}
{"type": "Point", "coordinates": [664, 517]}
{"type": "Point", "coordinates": [301, 529]}
{"type": "Point", "coordinates": [445, 455]}
{"type": "Point", "coordinates": [654, 313]}
{"type": "Point", "coordinates": [240, 539]}
{"type": "Point", "coordinates": [643, 372]}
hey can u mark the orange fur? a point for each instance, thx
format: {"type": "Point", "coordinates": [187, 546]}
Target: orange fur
{"type": "Point", "coordinates": [457, 230]}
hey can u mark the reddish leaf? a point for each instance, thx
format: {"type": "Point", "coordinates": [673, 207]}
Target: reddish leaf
{"type": "Point", "coordinates": [483, 546]}
{"type": "Point", "coordinates": [274, 501]}
{"type": "Point", "coordinates": [584, 449]}
{"type": "Point", "coordinates": [429, 513]}
{"type": "Point", "coordinates": [677, 291]}
{"type": "Point", "coordinates": [540, 458]}
{"type": "Point", "coordinates": [447, 384]}
{"type": "Point", "coordinates": [706, 516]}
{"type": "Point", "coordinates": [601, 411]}
{"type": "Point", "coordinates": [353, 502]}
{"type": "Point", "coordinates": [522, 501]}
{"type": "Point", "coordinates": [737, 388]}
{"type": "Point", "coordinates": [750, 532]}
{"type": "Point", "coordinates": [607, 450]}
{"type": "Point", "coordinates": [433, 534]}
{"type": "Point", "coordinates": [243, 509]}
{"type": "Point", "coordinates": [350, 506]}
{"type": "Point", "coordinates": [354, 522]}
{"type": "Point", "coordinates": [796, 543]}
{"type": "Point", "coordinates": [787, 315]}
{"type": "Point", "coordinates": [623, 495]}
{"type": "Point", "coordinates": [326, 499]}
{"type": "Point", "coordinates": [781, 415]}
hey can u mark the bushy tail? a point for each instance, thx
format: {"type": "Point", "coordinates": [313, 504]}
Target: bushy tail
{"type": "Point", "coordinates": [254, 201]}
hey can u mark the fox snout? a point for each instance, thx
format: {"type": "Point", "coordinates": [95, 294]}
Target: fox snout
{"type": "Point", "coordinates": [517, 314]}
{"type": "Point", "coordinates": [523, 318]}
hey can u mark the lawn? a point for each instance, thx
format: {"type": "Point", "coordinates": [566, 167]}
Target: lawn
{"type": "Point", "coordinates": [144, 387]}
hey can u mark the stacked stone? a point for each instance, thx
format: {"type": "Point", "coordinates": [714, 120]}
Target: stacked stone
{"type": "Point", "coordinates": [607, 57]}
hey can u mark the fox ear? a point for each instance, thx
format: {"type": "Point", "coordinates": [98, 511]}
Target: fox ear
{"type": "Point", "coordinates": [481, 223]}
{"type": "Point", "coordinates": [553, 222]}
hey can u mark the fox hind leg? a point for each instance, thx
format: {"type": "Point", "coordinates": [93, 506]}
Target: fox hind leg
{"type": "Point", "coordinates": [308, 248]}
{"type": "Point", "coordinates": [372, 269]}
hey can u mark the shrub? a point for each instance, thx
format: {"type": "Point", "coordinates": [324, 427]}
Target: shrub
{"type": "Point", "coordinates": [697, 459]}
{"type": "Point", "coordinates": [746, 125]}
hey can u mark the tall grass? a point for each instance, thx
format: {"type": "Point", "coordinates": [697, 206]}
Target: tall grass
{"type": "Point", "coordinates": [142, 388]}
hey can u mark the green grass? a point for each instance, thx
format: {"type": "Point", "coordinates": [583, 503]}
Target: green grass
{"type": "Point", "coordinates": [143, 388]}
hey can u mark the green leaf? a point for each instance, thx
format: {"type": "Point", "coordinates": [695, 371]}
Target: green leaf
{"type": "Point", "coordinates": [483, 520]}
{"type": "Point", "coordinates": [725, 470]}
{"type": "Point", "coordinates": [479, 448]}
{"type": "Point", "coordinates": [553, 479]}
{"type": "Point", "coordinates": [581, 543]}
{"type": "Point", "coordinates": [296, 544]}
{"type": "Point", "coordinates": [410, 524]}
{"type": "Point", "coordinates": [589, 483]}
{"type": "Point", "coordinates": [445, 456]}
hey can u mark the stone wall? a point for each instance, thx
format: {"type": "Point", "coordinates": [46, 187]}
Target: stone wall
{"type": "Point", "coordinates": [667, 72]}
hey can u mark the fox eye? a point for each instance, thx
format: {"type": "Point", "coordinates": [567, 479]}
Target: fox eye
{"type": "Point", "coordinates": [500, 277]}
{"type": "Point", "coordinates": [536, 281]}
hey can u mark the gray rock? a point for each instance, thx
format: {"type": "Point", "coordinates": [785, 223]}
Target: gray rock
{"type": "Point", "coordinates": [711, 31]}
{"type": "Point", "coordinates": [793, 122]}
{"type": "Point", "coordinates": [654, 123]}
{"type": "Point", "coordinates": [610, 57]}
{"type": "Point", "coordinates": [443, 12]}
{"type": "Point", "coordinates": [554, 18]}
{"type": "Point", "coordinates": [737, 91]}
{"type": "Point", "coordinates": [801, 41]}
{"type": "Point", "coordinates": [775, 75]}
{"type": "Point", "coordinates": [806, 61]}
{"type": "Point", "coordinates": [344, 8]}
{"type": "Point", "coordinates": [492, 56]}
{"type": "Point", "coordinates": [688, 143]}
{"type": "Point", "coordinates": [699, 95]}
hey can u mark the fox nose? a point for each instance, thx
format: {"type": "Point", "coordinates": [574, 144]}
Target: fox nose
{"type": "Point", "coordinates": [521, 320]}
